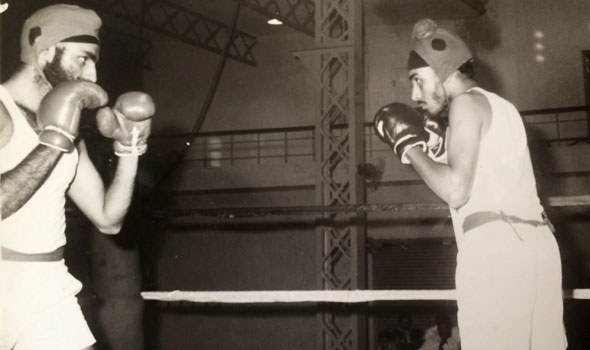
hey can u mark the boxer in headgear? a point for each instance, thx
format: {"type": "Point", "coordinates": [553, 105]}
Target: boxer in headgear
{"type": "Point", "coordinates": [508, 276]}
{"type": "Point", "coordinates": [43, 159]}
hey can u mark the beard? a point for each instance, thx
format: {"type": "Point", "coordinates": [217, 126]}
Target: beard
{"type": "Point", "coordinates": [440, 101]}
{"type": "Point", "coordinates": [54, 71]}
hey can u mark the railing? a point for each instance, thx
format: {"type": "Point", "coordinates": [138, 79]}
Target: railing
{"type": "Point", "coordinates": [297, 144]}
{"type": "Point", "coordinates": [253, 147]}
{"type": "Point", "coordinates": [558, 125]}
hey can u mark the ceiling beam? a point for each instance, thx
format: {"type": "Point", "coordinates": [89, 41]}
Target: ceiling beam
{"type": "Point", "coordinates": [182, 24]}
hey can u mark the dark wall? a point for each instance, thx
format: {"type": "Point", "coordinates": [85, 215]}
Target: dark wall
{"type": "Point", "coordinates": [196, 253]}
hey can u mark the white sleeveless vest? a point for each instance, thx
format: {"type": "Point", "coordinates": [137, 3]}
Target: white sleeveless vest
{"type": "Point", "coordinates": [504, 179]}
{"type": "Point", "coordinates": [39, 225]}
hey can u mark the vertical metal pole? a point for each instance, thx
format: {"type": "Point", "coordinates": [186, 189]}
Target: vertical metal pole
{"type": "Point", "coordinates": [339, 37]}
{"type": "Point", "coordinates": [2, 50]}
{"type": "Point", "coordinates": [258, 148]}
{"type": "Point", "coordinates": [313, 145]}
{"type": "Point", "coordinates": [286, 147]}
{"type": "Point", "coordinates": [231, 150]}
{"type": "Point", "coordinates": [206, 152]}
{"type": "Point", "coordinates": [586, 70]}
{"type": "Point", "coordinates": [557, 128]}
{"type": "Point", "coordinates": [357, 130]}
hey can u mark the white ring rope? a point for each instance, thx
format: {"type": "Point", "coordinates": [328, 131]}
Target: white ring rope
{"type": "Point", "coordinates": [318, 296]}
{"type": "Point", "coordinates": [337, 296]}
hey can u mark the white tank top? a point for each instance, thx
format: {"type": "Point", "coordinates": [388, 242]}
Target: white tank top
{"type": "Point", "coordinates": [504, 179]}
{"type": "Point", "coordinates": [39, 226]}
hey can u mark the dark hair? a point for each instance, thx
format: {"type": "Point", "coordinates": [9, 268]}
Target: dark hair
{"type": "Point", "coordinates": [467, 69]}
{"type": "Point", "coordinates": [53, 71]}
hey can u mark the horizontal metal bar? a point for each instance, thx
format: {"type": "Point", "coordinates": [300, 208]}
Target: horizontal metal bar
{"type": "Point", "coordinates": [230, 213]}
{"type": "Point", "coordinates": [321, 50]}
{"type": "Point", "coordinates": [555, 110]}
{"type": "Point", "coordinates": [234, 158]}
{"type": "Point", "coordinates": [311, 128]}
{"type": "Point", "coordinates": [238, 132]}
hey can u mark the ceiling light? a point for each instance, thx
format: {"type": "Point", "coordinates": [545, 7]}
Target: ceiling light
{"type": "Point", "coordinates": [274, 22]}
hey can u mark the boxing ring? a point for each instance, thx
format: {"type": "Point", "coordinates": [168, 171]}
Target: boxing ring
{"type": "Point", "coordinates": [329, 296]}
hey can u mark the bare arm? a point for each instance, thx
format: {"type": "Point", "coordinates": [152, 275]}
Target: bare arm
{"type": "Point", "coordinates": [105, 208]}
{"type": "Point", "coordinates": [19, 184]}
{"type": "Point", "coordinates": [452, 182]}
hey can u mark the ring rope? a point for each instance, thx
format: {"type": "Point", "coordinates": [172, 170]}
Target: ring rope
{"type": "Point", "coordinates": [231, 213]}
{"type": "Point", "coordinates": [317, 296]}
{"type": "Point", "coordinates": [334, 296]}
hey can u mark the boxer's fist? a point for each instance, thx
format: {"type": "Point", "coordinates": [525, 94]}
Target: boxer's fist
{"type": "Point", "coordinates": [401, 127]}
{"type": "Point", "coordinates": [59, 112]}
{"type": "Point", "coordinates": [128, 123]}
{"type": "Point", "coordinates": [437, 129]}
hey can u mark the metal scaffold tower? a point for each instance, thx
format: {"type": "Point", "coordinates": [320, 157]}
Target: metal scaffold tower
{"type": "Point", "coordinates": [337, 62]}
{"type": "Point", "coordinates": [339, 23]}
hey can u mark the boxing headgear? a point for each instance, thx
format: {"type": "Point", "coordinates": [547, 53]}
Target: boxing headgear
{"type": "Point", "coordinates": [438, 48]}
{"type": "Point", "coordinates": [57, 23]}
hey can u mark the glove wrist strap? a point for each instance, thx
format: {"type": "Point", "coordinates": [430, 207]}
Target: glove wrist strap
{"type": "Point", "coordinates": [402, 147]}
{"type": "Point", "coordinates": [56, 138]}
{"type": "Point", "coordinates": [128, 151]}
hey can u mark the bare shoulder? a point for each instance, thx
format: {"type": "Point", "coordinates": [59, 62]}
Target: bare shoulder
{"type": "Point", "coordinates": [473, 100]}
{"type": "Point", "coordinates": [6, 126]}
{"type": "Point", "coordinates": [472, 104]}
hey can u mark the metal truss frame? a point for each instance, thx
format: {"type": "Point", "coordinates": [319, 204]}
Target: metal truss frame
{"type": "Point", "coordinates": [181, 23]}
{"type": "Point", "coordinates": [586, 72]}
{"type": "Point", "coordinates": [300, 14]}
{"type": "Point", "coordinates": [338, 34]}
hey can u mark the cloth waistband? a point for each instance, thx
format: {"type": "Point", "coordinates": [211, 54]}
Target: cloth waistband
{"type": "Point", "coordinates": [7, 254]}
{"type": "Point", "coordinates": [479, 218]}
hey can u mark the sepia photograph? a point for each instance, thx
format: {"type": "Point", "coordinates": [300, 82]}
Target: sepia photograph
{"type": "Point", "coordinates": [294, 174]}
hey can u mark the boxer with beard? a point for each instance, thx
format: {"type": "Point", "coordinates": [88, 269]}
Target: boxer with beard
{"type": "Point", "coordinates": [43, 160]}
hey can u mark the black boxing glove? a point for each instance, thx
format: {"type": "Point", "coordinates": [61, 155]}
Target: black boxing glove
{"type": "Point", "coordinates": [402, 128]}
